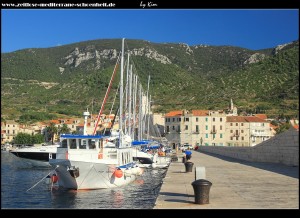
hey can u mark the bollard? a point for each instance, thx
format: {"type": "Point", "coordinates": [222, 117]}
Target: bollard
{"type": "Point", "coordinates": [201, 190]}
{"type": "Point", "coordinates": [189, 166]}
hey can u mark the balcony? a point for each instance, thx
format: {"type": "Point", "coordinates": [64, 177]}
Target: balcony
{"type": "Point", "coordinates": [196, 132]}
{"type": "Point", "coordinates": [213, 131]}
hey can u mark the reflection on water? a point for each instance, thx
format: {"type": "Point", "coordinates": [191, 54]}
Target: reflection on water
{"type": "Point", "coordinates": [16, 178]}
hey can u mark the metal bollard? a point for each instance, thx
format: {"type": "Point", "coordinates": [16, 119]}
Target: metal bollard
{"type": "Point", "coordinates": [201, 190]}
{"type": "Point", "coordinates": [189, 166]}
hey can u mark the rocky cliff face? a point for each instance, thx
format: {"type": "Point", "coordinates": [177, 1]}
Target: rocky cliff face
{"type": "Point", "coordinates": [77, 57]}
{"type": "Point", "coordinates": [257, 57]}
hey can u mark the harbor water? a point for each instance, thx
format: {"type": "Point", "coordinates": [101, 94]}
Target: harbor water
{"type": "Point", "coordinates": [23, 187]}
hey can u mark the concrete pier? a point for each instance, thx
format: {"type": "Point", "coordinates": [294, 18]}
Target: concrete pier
{"type": "Point", "coordinates": [236, 184]}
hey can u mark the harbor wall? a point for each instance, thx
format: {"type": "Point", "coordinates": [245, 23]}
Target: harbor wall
{"type": "Point", "coordinates": [282, 148]}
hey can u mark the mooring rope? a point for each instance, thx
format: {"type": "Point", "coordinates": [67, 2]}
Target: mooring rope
{"type": "Point", "coordinates": [41, 180]}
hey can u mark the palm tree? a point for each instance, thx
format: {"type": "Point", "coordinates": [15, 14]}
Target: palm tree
{"type": "Point", "coordinates": [64, 129]}
{"type": "Point", "coordinates": [51, 130]}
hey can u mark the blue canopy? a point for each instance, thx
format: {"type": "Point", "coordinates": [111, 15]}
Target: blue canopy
{"type": "Point", "coordinates": [143, 142]}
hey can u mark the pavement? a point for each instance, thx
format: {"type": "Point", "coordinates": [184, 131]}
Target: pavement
{"type": "Point", "coordinates": [236, 184]}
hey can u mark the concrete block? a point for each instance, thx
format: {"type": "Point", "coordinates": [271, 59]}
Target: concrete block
{"type": "Point", "coordinates": [200, 173]}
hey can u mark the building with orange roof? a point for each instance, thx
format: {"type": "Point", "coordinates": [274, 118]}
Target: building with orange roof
{"type": "Point", "coordinates": [247, 130]}
{"type": "Point", "coordinates": [198, 127]}
{"type": "Point", "coordinates": [216, 128]}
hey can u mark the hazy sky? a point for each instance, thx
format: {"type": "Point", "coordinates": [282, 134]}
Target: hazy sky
{"type": "Point", "coordinates": [247, 28]}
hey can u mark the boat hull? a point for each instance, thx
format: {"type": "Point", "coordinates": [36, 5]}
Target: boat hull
{"type": "Point", "coordinates": [87, 175]}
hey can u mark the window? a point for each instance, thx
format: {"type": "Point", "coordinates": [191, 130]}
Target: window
{"type": "Point", "coordinates": [221, 119]}
{"type": "Point", "coordinates": [82, 144]}
{"type": "Point", "coordinates": [242, 137]}
{"type": "Point", "coordinates": [236, 132]}
{"type": "Point", "coordinates": [179, 119]}
{"type": "Point", "coordinates": [92, 144]}
{"type": "Point", "coordinates": [242, 131]}
{"type": "Point", "coordinates": [206, 127]}
{"type": "Point", "coordinates": [221, 136]}
{"type": "Point", "coordinates": [168, 129]}
{"type": "Point", "coordinates": [72, 143]}
{"type": "Point", "coordinates": [206, 119]}
{"type": "Point", "coordinates": [173, 119]}
{"type": "Point", "coordinates": [231, 138]}
{"type": "Point", "coordinates": [242, 124]}
{"type": "Point", "coordinates": [64, 143]}
{"type": "Point", "coordinates": [237, 138]}
{"type": "Point", "coordinates": [173, 127]}
{"type": "Point", "coordinates": [236, 124]}
{"type": "Point", "coordinates": [213, 119]}
{"type": "Point", "coordinates": [220, 127]}
{"type": "Point", "coordinates": [187, 119]}
{"type": "Point", "coordinates": [196, 119]}
{"type": "Point", "coordinates": [231, 131]}
{"type": "Point", "coordinates": [206, 135]}
{"type": "Point", "coordinates": [178, 128]}
{"type": "Point", "coordinates": [230, 124]}
{"type": "Point", "coordinates": [197, 128]}
{"type": "Point", "coordinates": [186, 127]}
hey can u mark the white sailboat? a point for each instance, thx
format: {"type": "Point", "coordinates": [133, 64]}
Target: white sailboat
{"type": "Point", "coordinates": [95, 161]}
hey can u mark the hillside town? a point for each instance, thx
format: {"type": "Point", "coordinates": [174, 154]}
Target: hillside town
{"type": "Point", "coordinates": [179, 127]}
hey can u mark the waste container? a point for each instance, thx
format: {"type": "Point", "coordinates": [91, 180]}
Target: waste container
{"type": "Point", "coordinates": [183, 159]}
{"type": "Point", "coordinates": [201, 190]}
{"type": "Point", "coordinates": [188, 166]}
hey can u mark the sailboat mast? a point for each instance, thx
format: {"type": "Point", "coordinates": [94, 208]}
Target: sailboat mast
{"type": "Point", "coordinates": [147, 104]}
{"type": "Point", "coordinates": [140, 125]}
{"type": "Point", "coordinates": [134, 105]}
{"type": "Point", "coordinates": [121, 96]}
{"type": "Point", "coordinates": [130, 100]}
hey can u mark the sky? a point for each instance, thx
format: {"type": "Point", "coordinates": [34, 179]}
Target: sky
{"type": "Point", "coordinates": [248, 28]}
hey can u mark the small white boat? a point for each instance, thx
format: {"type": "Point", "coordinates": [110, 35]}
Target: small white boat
{"type": "Point", "coordinates": [37, 156]}
{"type": "Point", "coordinates": [94, 162]}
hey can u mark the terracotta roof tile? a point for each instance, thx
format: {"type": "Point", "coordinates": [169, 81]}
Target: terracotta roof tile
{"type": "Point", "coordinates": [174, 113]}
{"type": "Point", "coordinates": [261, 116]}
{"type": "Point", "coordinates": [200, 112]}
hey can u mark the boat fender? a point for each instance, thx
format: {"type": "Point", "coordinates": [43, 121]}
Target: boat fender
{"type": "Point", "coordinates": [54, 178]}
{"type": "Point", "coordinates": [118, 173]}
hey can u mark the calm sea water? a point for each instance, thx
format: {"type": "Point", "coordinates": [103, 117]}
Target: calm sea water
{"type": "Point", "coordinates": [17, 178]}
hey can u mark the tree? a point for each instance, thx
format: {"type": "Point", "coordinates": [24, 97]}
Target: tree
{"type": "Point", "coordinates": [23, 138]}
{"type": "Point", "coordinates": [37, 138]}
{"type": "Point", "coordinates": [64, 129]}
{"type": "Point", "coordinates": [51, 130]}
{"type": "Point", "coordinates": [283, 127]}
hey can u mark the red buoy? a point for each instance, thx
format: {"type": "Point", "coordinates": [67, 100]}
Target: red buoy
{"type": "Point", "coordinates": [54, 178]}
{"type": "Point", "coordinates": [118, 173]}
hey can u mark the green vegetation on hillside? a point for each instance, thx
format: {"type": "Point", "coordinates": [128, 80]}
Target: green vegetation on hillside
{"type": "Point", "coordinates": [55, 81]}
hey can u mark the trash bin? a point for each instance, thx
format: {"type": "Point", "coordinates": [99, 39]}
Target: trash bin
{"type": "Point", "coordinates": [201, 190]}
{"type": "Point", "coordinates": [183, 159]}
{"type": "Point", "coordinates": [188, 166]}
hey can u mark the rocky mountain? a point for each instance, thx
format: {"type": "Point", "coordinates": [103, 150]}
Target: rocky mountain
{"type": "Point", "coordinates": [69, 78]}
